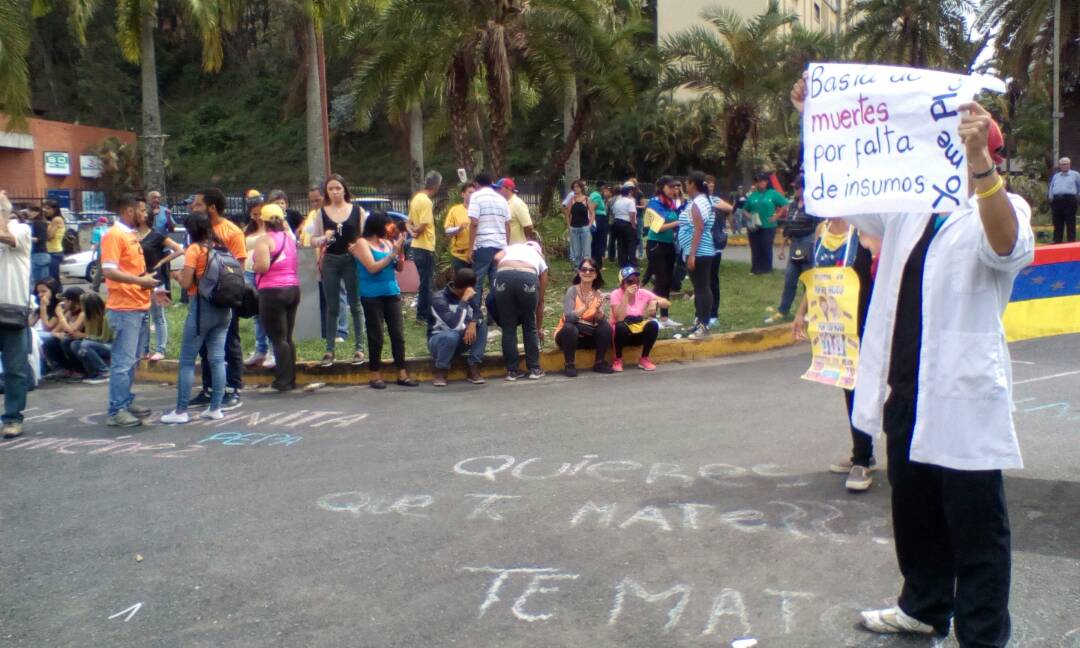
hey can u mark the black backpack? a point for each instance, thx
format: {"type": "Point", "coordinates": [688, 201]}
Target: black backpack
{"type": "Point", "coordinates": [222, 283]}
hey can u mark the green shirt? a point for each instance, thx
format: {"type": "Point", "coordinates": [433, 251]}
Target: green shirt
{"type": "Point", "coordinates": [764, 204]}
{"type": "Point", "coordinates": [598, 201]}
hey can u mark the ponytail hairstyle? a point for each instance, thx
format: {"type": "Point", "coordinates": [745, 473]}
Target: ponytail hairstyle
{"type": "Point", "coordinates": [93, 314]}
{"type": "Point", "coordinates": [699, 181]}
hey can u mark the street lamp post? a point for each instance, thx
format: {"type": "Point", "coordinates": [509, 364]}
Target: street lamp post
{"type": "Point", "coordinates": [1057, 116]}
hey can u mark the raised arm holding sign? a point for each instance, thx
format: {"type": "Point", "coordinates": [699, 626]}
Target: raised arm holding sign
{"type": "Point", "coordinates": [899, 153]}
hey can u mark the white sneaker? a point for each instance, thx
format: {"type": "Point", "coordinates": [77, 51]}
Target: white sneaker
{"type": "Point", "coordinates": [254, 359]}
{"type": "Point", "coordinates": [270, 361]}
{"type": "Point", "coordinates": [894, 621]}
{"type": "Point", "coordinates": [671, 323]}
{"type": "Point", "coordinates": [698, 333]}
{"type": "Point", "coordinates": [174, 418]}
{"type": "Point", "coordinates": [213, 415]}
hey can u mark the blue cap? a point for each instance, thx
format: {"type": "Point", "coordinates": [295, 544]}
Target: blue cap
{"type": "Point", "coordinates": [627, 272]}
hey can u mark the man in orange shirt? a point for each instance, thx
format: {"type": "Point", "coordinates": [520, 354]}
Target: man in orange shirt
{"type": "Point", "coordinates": [129, 286]}
{"type": "Point", "coordinates": [211, 203]}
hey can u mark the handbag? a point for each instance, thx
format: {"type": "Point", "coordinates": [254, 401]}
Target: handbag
{"type": "Point", "coordinates": [719, 235]}
{"type": "Point", "coordinates": [14, 318]}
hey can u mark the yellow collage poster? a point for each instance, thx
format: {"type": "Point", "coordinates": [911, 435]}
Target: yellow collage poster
{"type": "Point", "coordinates": [832, 325]}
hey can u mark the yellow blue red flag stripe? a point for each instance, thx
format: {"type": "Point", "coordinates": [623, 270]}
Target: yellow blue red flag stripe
{"type": "Point", "coordinates": [1046, 295]}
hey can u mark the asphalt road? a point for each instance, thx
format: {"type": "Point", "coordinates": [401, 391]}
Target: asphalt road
{"type": "Point", "coordinates": [690, 507]}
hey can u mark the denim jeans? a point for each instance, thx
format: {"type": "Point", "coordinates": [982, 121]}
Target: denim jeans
{"type": "Point", "coordinates": [93, 355]}
{"type": "Point", "coordinates": [40, 263]}
{"type": "Point", "coordinates": [262, 343]}
{"type": "Point", "coordinates": [516, 295]}
{"type": "Point", "coordinates": [213, 326]}
{"type": "Point", "coordinates": [14, 350]}
{"type": "Point", "coordinates": [234, 355]}
{"type": "Point", "coordinates": [161, 330]}
{"type": "Point", "coordinates": [580, 244]}
{"type": "Point", "coordinates": [425, 267]}
{"type": "Point", "coordinates": [761, 250]}
{"type": "Point", "coordinates": [791, 283]}
{"type": "Point", "coordinates": [444, 345]}
{"type": "Point", "coordinates": [55, 259]}
{"type": "Point", "coordinates": [484, 266]}
{"type": "Point", "coordinates": [599, 239]}
{"type": "Point", "coordinates": [339, 274]}
{"type": "Point", "coordinates": [127, 329]}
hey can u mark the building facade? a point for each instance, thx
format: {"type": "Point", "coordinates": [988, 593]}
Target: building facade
{"type": "Point", "coordinates": [673, 16]}
{"type": "Point", "coordinates": [51, 160]}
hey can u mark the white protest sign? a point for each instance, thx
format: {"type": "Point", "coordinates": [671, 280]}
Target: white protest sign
{"type": "Point", "coordinates": [883, 139]}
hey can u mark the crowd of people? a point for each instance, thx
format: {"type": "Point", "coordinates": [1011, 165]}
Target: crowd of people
{"type": "Point", "coordinates": [948, 430]}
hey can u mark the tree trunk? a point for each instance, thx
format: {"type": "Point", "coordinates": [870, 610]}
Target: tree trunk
{"type": "Point", "coordinates": [153, 139]}
{"type": "Point", "coordinates": [316, 146]}
{"type": "Point", "coordinates": [458, 98]}
{"type": "Point", "coordinates": [572, 170]}
{"type": "Point", "coordinates": [558, 162]}
{"type": "Point", "coordinates": [736, 129]}
{"type": "Point", "coordinates": [416, 147]}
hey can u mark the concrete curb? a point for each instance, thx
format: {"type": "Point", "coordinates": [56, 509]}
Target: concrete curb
{"type": "Point", "coordinates": [342, 373]}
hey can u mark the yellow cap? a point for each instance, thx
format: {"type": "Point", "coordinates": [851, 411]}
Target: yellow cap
{"type": "Point", "coordinates": [271, 212]}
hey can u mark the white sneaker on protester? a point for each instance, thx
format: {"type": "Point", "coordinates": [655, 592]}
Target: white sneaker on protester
{"type": "Point", "coordinates": [894, 621]}
{"type": "Point", "coordinates": [254, 359]}
{"type": "Point", "coordinates": [270, 361]}
{"type": "Point", "coordinates": [175, 418]}
{"type": "Point", "coordinates": [213, 415]}
{"type": "Point", "coordinates": [671, 323]}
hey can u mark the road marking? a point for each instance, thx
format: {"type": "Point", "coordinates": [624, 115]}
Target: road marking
{"type": "Point", "coordinates": [130, 612]}
{"type": "Point", "coordinates": [1051, 377]}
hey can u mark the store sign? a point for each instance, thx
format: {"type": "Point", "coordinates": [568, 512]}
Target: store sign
{"type": "Point", "coordinates": [89, 166]}
{"type": "Point", "coordinates": [57, 163]}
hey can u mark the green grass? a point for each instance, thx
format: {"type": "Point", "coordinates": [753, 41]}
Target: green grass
{"type": "Point", "coordinates": [743, 299]}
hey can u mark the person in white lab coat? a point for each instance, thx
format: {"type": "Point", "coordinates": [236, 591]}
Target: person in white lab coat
{"type": "Point", "coordinates": [935, 376]}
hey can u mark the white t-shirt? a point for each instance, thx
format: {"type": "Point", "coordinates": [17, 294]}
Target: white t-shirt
{"type": "Point", "coordinates": [623, 207]}
{"type": "Point", "coordinates": [526, 253]}
{"type": "Point", "coordinates": [492, 213]}
{"type": "Point", "coordinates": [15, 266]}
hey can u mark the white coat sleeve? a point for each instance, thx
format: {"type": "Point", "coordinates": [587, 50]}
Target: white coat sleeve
{"type": "Point", "coordinates": [1023, 253]}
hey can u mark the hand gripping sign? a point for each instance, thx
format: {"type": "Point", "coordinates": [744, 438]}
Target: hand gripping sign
{"type": "Point", "coordinates": [883, 139]}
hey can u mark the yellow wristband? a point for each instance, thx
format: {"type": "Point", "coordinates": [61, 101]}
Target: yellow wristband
{"type": "Point", "coordinates": [992, 190]}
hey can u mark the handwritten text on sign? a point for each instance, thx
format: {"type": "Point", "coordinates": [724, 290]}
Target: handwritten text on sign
{"type": "Point", "coordinates": [883, 139]}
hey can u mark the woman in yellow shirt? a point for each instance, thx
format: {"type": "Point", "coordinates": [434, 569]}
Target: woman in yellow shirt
{"type": "Point", "coordinates": [54, 244]}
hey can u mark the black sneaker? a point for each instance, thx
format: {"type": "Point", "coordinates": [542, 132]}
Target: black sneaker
{"type": "Point", "coordinates": [513, 374]}
{"type": "Point", "coordinates": [570, 371]}
{"type": "Point", "coordinates": [603, 368]}
{"type": "Point", "coordinates": [536, 374]}
{"type": "Point", "coordinates": [231, 400]}
{"type": "Point", "coordinates": [202, 398]}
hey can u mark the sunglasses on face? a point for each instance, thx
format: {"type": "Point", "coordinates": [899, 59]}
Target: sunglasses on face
{"type": "Point", "coordinates": [587, 270]}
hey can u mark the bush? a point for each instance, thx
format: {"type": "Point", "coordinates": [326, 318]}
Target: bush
{"type": "Point", "coordinates": [1033, 191]}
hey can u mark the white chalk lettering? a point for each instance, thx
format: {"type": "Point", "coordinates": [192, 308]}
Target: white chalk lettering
{"type": "Point", "coordinates": [650, 514]}
{"type": "Point", "coordinates": [489, 471]}
{"type": "Point", "coordinates": [638, 590]}
{"type": "Point", "coordinates": [596, 469]}
{"type": "Point", "coordinates": [659, 470]}
{"type": "Point", "coordinates": [787, 605]}
{"type": "Point", "coordinates": [486, 507]}
{"type": "Point", "coordinates": [690, 514]}
{"type": "Point", "coordinates": [518, 471]}
{"type": "Point", "coordinates": [605, 513]}
{"type": "Point", "coordinates": [534, 588]}
{"type": "Point", "coordinates": [728, 603]}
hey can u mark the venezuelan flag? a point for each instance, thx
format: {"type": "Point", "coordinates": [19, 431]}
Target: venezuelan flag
{"type": "Point", "coordinates": [1046, 295]}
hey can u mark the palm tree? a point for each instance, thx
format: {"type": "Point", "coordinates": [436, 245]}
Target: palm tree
{"type": "Point", "coordinates": [1024, 45]}
{"type": "Point", "coordinates": [906, 32]}
{"type": "Point", "coordinates": [14, 75]}
{"type": "Point", "coordinates": [734, 59]}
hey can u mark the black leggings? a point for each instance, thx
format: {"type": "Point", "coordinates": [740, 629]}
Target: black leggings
{"type": "Point", "coordinates": [703, 296]}
{"type": "Point", "coordinates": [377, 310]}
{"type": "Point", "coordinates": [662, 263]}
{"type": "Point", "coordinates": [626, 242]}
{"type": "Point", "coordinates": [570, 338]}
{"type": "Point", "coordinates": [277, 311]}
{"type": "Point", "coordinates": [862, 444]}
{"type": "Point", "coordinates": [647, 337]}
{"type": "Point", "coordinates": [714, 283]}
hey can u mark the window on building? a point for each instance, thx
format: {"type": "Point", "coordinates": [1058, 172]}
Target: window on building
{"type": "Point", "coordinates": [817, 12]}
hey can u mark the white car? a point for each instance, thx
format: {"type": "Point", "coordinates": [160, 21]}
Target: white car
{"type": "Point", "coordinates": [79, 266]}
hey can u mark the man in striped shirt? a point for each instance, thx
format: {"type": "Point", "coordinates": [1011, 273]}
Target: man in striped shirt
{"type": "Point", "coordinates": [489, 215]}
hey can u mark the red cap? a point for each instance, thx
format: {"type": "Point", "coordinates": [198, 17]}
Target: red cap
{"type": "Point", "coordinates": [506, 183]}
{"type": "Point", "coordinates": [995, 141]}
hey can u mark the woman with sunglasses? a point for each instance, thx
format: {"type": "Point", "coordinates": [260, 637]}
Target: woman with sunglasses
{"type": "Point", "coordinates": [632, 311]}
{"type": "Point", "coordinates": [584, 322]}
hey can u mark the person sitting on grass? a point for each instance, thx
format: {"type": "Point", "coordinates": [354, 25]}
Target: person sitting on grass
{"type": "Point", "coordinates": [584, 323]}
{"type": "Point", "coordinates": [92, 344]}
{"type": "Point", "coordinates": [632, 310]}
{"type": "Point", "coordinates": [457, 327]}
